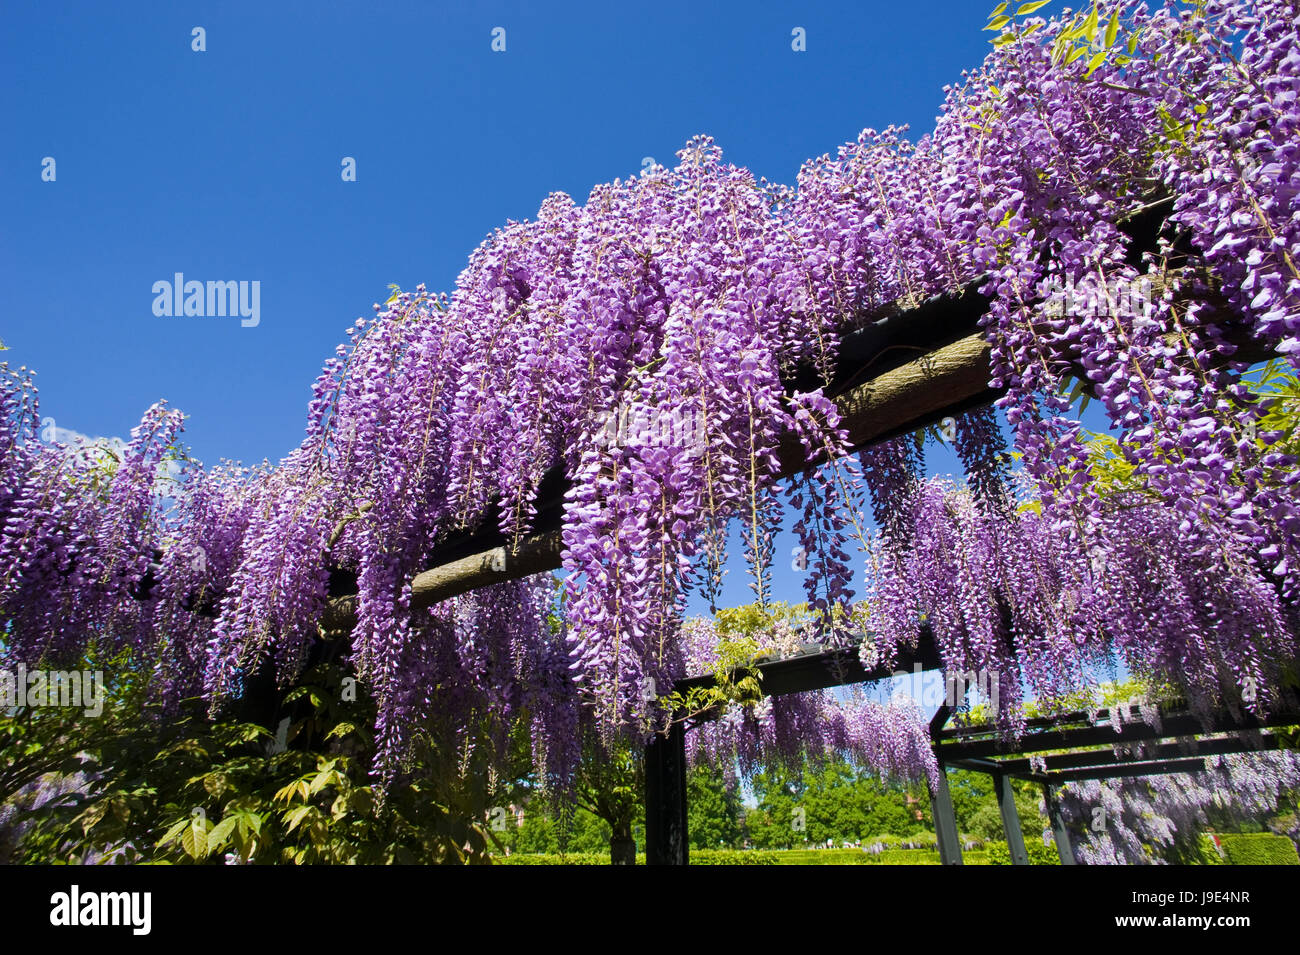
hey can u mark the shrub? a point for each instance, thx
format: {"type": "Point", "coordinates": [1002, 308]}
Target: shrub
{"type": "Point", "coordinates": [552, 858]}
{"type": "Point", "coordinates": [697, 857]}
{"type": "Point", "coordinates": [1259, 848]}
{"type": "Point", "coordinates": [1000, 854]}
{"type": "Point", "coordinates": [908, 857]}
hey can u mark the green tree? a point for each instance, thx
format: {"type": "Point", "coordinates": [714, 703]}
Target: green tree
{"type": "Point", "coordinates": [713, 813]}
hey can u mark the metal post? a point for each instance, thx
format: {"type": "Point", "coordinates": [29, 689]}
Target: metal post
{"type": "Point", "coordinates": [666, 838]}
{"type": "Point", "coordinates": [1060, 834]}
{"type": "Point", "coordinates": [945, 821]}
{"type": "Point", "coordinates": [1010, 818]}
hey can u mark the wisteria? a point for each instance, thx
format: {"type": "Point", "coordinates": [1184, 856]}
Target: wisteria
{"type": "Point", "coordinates": [694, 297]}
{"type": "Point", "coordinates": [1139, 820]}
{"type": "Point", "coordinates": [889, 739]}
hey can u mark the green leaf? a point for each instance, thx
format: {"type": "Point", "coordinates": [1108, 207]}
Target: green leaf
{"type": "Point", "coordinates": [194, 839]}
{"type": "Point", "coordinates": [1001, 9]}
{"type": "Point", "coordinates": [362, 800]}
{"type": "Point", "coordinates": [294, 817]}
{"type": "Point", "coordinates": [1132, 44]}
{"type": "Point", "coordinates": [1025, 8]}
{"type": "Point", "coordinates": [1096, 61]}
{"type": "Point", "coordinates": [298, 787]}
{"type": "Point", "coordinates": [1112, 29]}
{"type": "Point", "coordinates": [342, 729]}
{"type": "Point", "coordinates": [221, 832]}
{"type": "Point", "coordinates": [1059, 46]}
{"type": "Point", "coordinates": [327, 778]}
{"type": "Point", "coordinates": [173, 833]}
{"type": "Point", "coordinates": [999, 23]}
{"type": "Point", "coordinates": [1090, 26]}
{"type": "Point", "coordinates": [248, 822]}
{"type": "Point", "coordinates": [340, 807]}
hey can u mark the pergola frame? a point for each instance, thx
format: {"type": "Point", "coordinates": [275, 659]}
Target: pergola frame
{"type": "Point", "coordinates": [1169, 749]}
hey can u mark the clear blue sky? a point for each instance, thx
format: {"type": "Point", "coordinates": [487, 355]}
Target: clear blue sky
{"type": "Point", "coordinates": [225, 164]}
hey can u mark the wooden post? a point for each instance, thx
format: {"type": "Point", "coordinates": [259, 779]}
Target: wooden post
{"type": "Point", "coordinates": [666, 837]}
{"type": "Point", "coordinates": [1060, 834]}
{"type": "Point", "coordinates": [1010, 818]}
{"type": "Point", "coordinates": [945, 820]}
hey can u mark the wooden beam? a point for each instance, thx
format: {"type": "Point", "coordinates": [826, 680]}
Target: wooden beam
{"type": "Point", "coordinates": [910, 394]}
{"type": "Point", "coordinates": [819, 671]}
{"type": "Point", "coordinates": [1107, 757]}
{"type": "Point", "coordinates": [1164, 767]}
{"type": "Point", "coordinates": [1172, 725]}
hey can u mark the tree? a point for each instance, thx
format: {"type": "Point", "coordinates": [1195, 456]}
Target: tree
{"type": "Point", "coordinates": [713, 811]}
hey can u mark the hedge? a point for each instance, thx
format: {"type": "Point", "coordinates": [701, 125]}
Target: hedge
{"type": "Point", "coordinates": [734, 857]}
{"type": "Point", "coordinates": [1259, 848]}
{"type": "Point", "coordinates": [823, 857]}
{"type": "Point", "coordinates": [1039, 854]}
{"type": "Point", "coordinates": [908, 857]}
{"type": "Point", "coordinates": [552, 858]}
{"type": "Point", "coordinates": [698, 857]}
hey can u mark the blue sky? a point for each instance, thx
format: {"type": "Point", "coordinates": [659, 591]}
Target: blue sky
{"type": "Point", "coordinates": [225, 164]}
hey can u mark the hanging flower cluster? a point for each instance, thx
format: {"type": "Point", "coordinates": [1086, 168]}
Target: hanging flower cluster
{"type": "Point", "coordinates": [890, 739]}
{"type": "Point", "coordinates": [79, 532]}
{"type": "Point", "coordinates": [1139, 820]}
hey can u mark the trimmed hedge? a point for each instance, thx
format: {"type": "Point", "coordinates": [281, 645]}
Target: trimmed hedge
{"type": "Point", "coordinates": [1259, 848]}
{"type": "Point", "coordinates": [1039, 854]}
{"type": "Point", "coordinates": [824, 857]}
{"type": "Point", "coordinates": [908, 857]}
{"type": "Point", "coordinates": [553, 858]}
{"type": "Point", "coordinates": [698, 857]}
{"type": "Point", "coordinates": [734, 857]}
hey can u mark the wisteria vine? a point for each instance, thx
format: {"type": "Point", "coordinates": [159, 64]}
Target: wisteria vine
{"type": "Point", "coordinates": [686, 299]}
